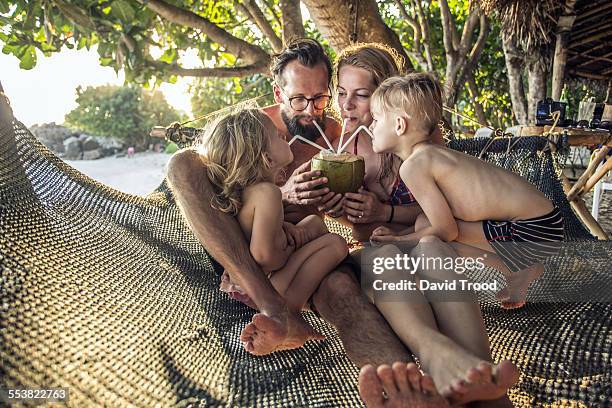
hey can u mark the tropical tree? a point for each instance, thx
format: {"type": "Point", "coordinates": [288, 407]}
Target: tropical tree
{"type": "Point", "coordinates": [127, 113]}
{"type": "Point", "coordinates": [236, 38]}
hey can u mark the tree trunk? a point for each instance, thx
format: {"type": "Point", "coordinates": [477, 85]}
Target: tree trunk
{"type": "Point", "coordinates": [537, 86]}
{"type": "Point", "coordinates": [337, 23]}
{"type": "Point", "coordinates": [473, 88]}
{"type": "Point", "coordinates": [514, 65]}
{"type": "Point", "coordinates": [564, 26]}
{"type": "Point", "coordinates": [292, 20]}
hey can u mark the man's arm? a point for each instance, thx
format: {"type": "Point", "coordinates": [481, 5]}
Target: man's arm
{"type": "Point", "coordinates": [219, 233]}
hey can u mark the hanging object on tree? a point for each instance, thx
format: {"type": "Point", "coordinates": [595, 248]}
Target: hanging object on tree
{"type": "Point", "coordinates": [354, 15]}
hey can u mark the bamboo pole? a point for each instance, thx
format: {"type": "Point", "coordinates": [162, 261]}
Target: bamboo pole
{"type": "Point", "coordinates": [580, 207]}
{"type": "Point", "coordinates": [599, 174]}
{"type": "Point", "coordinates": [577, 187]}
{"type": "Point", "coordinates": [583, 213]}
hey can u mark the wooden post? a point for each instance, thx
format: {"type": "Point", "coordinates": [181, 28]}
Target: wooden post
{"type": "Point", "coordinates": [599, 174]}
{"type": "Point", "coordinates": [564, 26]}
{"type": "Point", "coordinates": [578, 186]}
{"type": "Point", "coordinates": [580, 207]}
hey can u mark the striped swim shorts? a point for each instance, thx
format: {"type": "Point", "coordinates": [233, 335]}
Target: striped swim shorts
{"type": "Point", "coordinates": [523, 243]}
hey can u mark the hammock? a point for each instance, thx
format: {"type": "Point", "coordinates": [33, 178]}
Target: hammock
{"type": "Point", "coordinates": [112, 296]}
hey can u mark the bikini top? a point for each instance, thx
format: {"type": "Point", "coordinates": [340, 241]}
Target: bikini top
{"type": "Point", "coordinates": [400, 194]}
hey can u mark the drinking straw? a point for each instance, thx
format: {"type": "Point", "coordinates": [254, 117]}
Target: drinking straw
{"type": "Point", "coordinates": [362, 127]}
{"type": "Point", "coordinates": [342, 133]}
{"type": "Point", "coordinates": [323, 134]}
{"type": "Point", "coordinates": [303, 139]}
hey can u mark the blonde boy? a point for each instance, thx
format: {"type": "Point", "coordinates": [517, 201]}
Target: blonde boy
{"type": "Point", "coordinates": [473, 204]}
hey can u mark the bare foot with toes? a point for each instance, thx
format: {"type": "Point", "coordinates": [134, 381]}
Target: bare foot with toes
{"type": "Point", "coordinates": [399, 386]}
{"type": "Point", "coordinates": [265, 334]}
{"type": "Point", "coordinates": [514, 294]}
{"type": "Point", "coordinates": [462, 377]}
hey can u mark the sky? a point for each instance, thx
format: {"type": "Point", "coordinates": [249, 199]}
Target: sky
{"type": "Point", "coordinates": [47, 92]}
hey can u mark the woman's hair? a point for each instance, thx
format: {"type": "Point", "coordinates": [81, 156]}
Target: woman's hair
{"type": "Point", "coordinates": [381, 62]}
{"type": "Point", "coordinates": [234, 148]}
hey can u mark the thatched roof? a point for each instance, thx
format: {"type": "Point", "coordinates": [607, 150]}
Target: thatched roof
{"type": "Point", "coordinates": [590, 47]}
{"type": "Point", "coordinates": [531, 22]}
{"type": "Point", "coordinates": [534, 23]}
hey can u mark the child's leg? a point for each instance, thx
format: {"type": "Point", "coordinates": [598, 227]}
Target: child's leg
{"type": "Point", "coordinates": [449, 338]}
{"type": "Point", "coordinates": [305, 269]}
{"type": "Point", "coordinates": [472, 242]}
{"type": "Point", "coordinates": [314, 225]}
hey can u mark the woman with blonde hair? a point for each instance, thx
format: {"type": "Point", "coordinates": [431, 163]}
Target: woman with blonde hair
{"type": "Point", "coordinates": [384, 199]}
{"type": "Point", "coordinates": [244, 155]}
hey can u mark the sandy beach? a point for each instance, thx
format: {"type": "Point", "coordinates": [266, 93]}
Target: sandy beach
{"type": "Point", "coordinates": [144, 172]}
{"type": "Point", "coordinates": [138, 175]}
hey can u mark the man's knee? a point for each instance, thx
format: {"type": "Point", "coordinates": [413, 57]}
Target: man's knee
{"type": "Point", "coordinates": [430, 239]}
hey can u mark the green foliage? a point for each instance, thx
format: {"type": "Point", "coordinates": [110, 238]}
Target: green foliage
{"type": "Point", "coordinates": [125, 31]}
{"type": "Point", "coordinates": [489, 74]}
{"type": "Point", "coordinates": [126, 34]}
{"type": "Point", "coordinates": [211, 94]}
{"type": "Point", "coordinates": [127, 113]}
{"type": "Point", "coordinates": [492, 81]}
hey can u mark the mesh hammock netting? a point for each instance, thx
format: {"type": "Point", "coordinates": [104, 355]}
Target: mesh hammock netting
{"type": "Point", "coordinates": [111, 296]}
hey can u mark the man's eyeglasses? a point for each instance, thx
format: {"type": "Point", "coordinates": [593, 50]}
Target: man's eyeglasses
{"type": "Point", "coordinates": [300, 103]}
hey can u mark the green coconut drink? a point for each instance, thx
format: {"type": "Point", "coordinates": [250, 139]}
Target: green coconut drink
{"type": "Point", "coordinates": [344, 171]}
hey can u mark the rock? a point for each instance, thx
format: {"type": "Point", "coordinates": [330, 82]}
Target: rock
{"type": "Point", "coordinates": [89, 143]}
{"type": "Point", "coordinates": [51, 135]}
{"type": "Point", "coordinates": [108, 146]}
{"type": "Point", "coordinates": [92, 154]}
{"type": "Point", "coordinates": [72, 148]}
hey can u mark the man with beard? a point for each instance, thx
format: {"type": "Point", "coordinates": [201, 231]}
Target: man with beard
{"type": "Point", "coordinates": [302, 74]}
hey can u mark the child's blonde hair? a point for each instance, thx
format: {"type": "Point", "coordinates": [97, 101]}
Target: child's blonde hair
{"type": "Point", "coordinates": [417, 94]}
{"type": "Point", "coordinates": [234, 147]}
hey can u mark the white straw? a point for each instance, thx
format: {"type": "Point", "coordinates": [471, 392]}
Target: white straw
{"type": "Point", "coordinates": [303, 139]}
{"type": "Point", "coordinates": [323, 134]}
{"type": "Point", "coordinates": [342, 133]}
{"type": "Point", "coordinates": [362, 127]}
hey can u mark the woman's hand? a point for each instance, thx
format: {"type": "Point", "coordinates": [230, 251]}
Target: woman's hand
{"type": "Point", "coordinates": [331, 204]}
{"type": "Point", "coordinates": [364, 207]}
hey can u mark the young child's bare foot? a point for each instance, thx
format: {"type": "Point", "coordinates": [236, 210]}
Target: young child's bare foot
{"type": "Point", "coordinates": [404, 386]}
{"type": "Point", "coordinates": [265, 334]}
{"type": "Point", "coordinates": [484, 382]}
{"type": "Point", "coordinates": [514, 294]}
{"type": "Point", "coordinates": [462, 377]}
